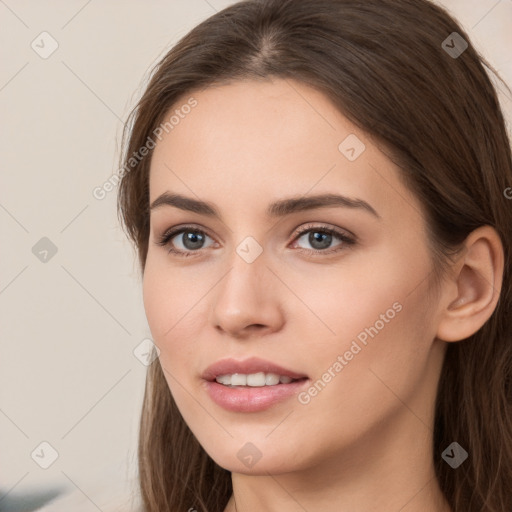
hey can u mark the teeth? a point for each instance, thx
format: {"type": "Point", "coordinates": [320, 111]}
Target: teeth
{"type": "Point", "coordinates": [271, 379]}
{"type": "Point", "coordinates": [253, 379]}
{"type": "Point", "coordinates": [238, 379]}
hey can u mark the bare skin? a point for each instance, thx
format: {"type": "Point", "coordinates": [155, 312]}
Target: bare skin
{"type": "Point", "coordinates": [362, 443]}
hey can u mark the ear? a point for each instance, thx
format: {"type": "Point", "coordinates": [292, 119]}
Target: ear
{"type": "Point", "coordinates": [471, 294]}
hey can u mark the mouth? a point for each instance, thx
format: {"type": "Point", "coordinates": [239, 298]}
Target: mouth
{"type": "Point", "coordinates": [251, 385]}
{"type": "Point", "coordinates": [253, 372]}
{"type": "Point", "coordinates": [254, 380]}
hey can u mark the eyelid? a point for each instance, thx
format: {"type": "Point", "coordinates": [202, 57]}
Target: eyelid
{"type": "Point", "coordinates": [322, 226]}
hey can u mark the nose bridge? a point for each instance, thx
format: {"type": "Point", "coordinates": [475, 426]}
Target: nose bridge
{"type": "Point", "coordinates": [246, 295]}
{"type": "Point", "coordinates": [245, 280]}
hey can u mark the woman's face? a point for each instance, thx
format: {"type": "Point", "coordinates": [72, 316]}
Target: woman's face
{"type": "Point", "coordinates": [351, 314]}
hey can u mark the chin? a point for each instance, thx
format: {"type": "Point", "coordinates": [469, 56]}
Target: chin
{"type": "Point", "coordinates": [246, 458]}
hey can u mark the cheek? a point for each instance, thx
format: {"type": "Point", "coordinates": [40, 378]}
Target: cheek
{"type": "Point", "coordinates": [364, 291]}
{"type": "Point", "coordinates": [158, 301]}
{"type": "Point", "coordinates": [376, 317]}
{"type": "Point", "coordinates": [176, 320]}
{"type": "Point", "coordinates": [174, 303]}
{"type": "Point", "coordinates": [381, 315]}
{"type": "Point", "coordinates": [169, 296]}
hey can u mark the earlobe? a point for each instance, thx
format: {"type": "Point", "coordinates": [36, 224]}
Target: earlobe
{"type": "Point", "coordinates": [473, 291]}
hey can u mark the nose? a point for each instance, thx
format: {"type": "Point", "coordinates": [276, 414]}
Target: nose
{"type": "Point", "coordinates": [247, 299]}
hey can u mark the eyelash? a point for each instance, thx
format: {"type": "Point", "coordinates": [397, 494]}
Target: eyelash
{"type": "Point", "coordinates": [164, 240]}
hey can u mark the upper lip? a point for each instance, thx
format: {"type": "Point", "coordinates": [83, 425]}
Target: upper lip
{"type": "Point", "coordinates": [247, 366]}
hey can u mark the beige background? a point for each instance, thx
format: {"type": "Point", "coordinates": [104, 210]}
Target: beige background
{"type": "Point", "coordinates": [68, 374]}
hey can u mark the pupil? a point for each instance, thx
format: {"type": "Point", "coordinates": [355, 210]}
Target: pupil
{"type": "Point", "coordinates": [323, 238]}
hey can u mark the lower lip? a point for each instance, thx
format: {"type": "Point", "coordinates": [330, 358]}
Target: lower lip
{"type": "Point", "coordinates": [252, 399]}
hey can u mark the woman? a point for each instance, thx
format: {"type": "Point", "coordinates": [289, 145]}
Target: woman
{"type": "Point", "coordinates": [317, 191]}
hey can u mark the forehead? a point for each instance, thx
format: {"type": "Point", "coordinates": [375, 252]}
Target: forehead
{"type": "Point", "coordinates": [253, 118]}
{"type": "Point", "coordinates": [249, 140]}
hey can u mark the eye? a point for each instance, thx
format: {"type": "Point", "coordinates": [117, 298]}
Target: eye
{"type": "Point", "coordinates": [190, 238]}
{"type": "Point", "coordinates": [321, 238]}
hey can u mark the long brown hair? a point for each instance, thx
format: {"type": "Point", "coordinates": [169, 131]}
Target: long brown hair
{"type": "Point", "coordinates": [387, 66]}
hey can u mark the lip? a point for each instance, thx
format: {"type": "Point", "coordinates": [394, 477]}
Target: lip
{"type": "Point", "coordinates": [247, 366]}
{"type": "Point", "coordinates": [250, 399]}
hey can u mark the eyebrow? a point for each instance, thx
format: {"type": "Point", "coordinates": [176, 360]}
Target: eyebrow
{"type": "Point", "coordinates": [278, 208]}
